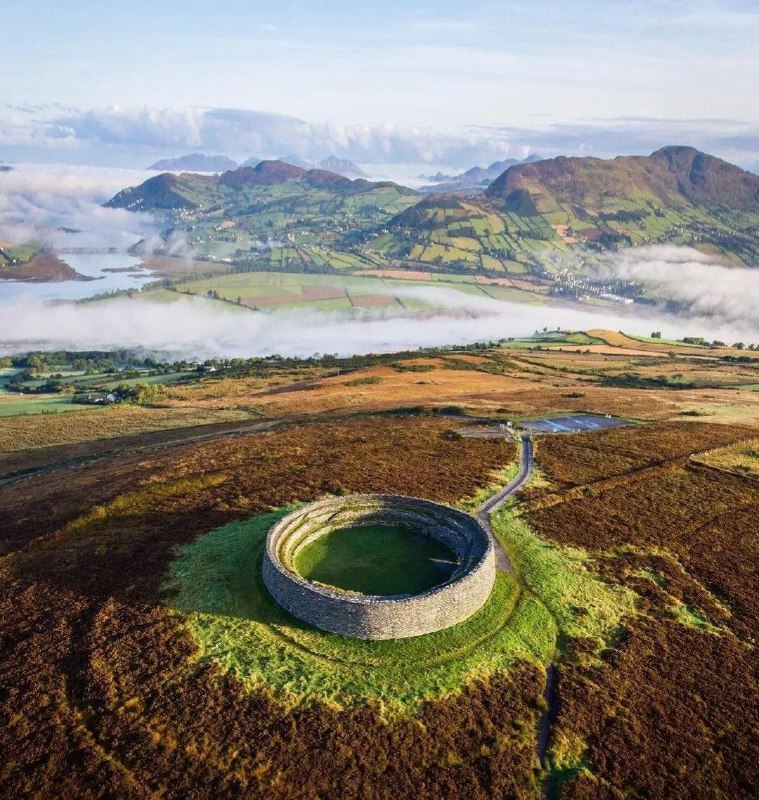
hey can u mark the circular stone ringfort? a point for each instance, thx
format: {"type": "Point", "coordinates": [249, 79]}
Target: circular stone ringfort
{"type": "Point", "coordinates": [464, 579]}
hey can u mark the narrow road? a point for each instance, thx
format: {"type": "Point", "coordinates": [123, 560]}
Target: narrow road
{"type": "Point", "coordinates": [550, 693]}
{"type": "Point", "coordinates": [496, 501]}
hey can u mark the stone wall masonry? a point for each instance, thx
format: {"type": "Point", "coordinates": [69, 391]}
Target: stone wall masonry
{"type": "Point", "coordinates": [376, 616]}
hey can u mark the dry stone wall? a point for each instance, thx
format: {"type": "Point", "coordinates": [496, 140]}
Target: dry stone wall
{"type": "Point", "coordinates": [376, 616]}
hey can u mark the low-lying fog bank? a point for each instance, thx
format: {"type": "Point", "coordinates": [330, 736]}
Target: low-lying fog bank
{"type": "Point", "coordinates": [195, 328]}
{"type": "Point", "coordinates": [60, 206]}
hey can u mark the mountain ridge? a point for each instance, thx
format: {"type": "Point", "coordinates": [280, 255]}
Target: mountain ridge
{"type": "Point", "coordinates": [676, 175]}
{"type": "Point", "coordinates": [475, 177]}
{"type": "Point", "coordinates": [530, 220]}
{"type": "Point", "coordinates": [340, 166]}
{"type": "Point", "coordinates": [172, 192]}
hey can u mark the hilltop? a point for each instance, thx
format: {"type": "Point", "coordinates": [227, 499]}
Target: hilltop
{"type": "Point", "coordinates": [165, 192]}
{"type": "Point", "coordinates": [673, 176]}
{"type": "Point", "coordinates": [191, 191]}
{"type": "Point", "coordinates": [195, 162]}
{"type": "Point", "coordinates": [341, 166]}
{"type": "Point", "coordinates": [271, 213]}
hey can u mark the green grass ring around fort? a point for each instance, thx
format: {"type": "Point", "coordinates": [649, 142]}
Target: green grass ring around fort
{"type": "Point", "coordinates": [389, 590]}
{"type": "Point", "coordinates": [216, 584]}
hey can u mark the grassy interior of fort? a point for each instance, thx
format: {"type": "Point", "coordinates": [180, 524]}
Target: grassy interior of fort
{"type": "Point", "coordinates": [376, 559]}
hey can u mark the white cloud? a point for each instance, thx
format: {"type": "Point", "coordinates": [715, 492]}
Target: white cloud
{"type": "Point", "coordinates": [37, 201]}
{"type": "Point", "coordinates": [705, 287]}
{"type": "Point", "coordinates": [120, 135]}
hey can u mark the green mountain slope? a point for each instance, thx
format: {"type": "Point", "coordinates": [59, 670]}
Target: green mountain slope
{"type": "Point", "coordinates": [534, 215]}
{"type": "Point", "coordinates": [535, 220]}
{"type": "Point", "coordinates": [273, 213]}
{"type": "Point", "coordinates": [457, 234]}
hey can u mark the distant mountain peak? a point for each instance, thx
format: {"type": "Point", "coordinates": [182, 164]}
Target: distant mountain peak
{"type": "Point", "coordinates": [342, 166]}
{"type": "Point", "coordinates": [676, 149]}
{"type": "Point", "coordinates": [195, 162]}
{"type": "Point", "coordinates": [475, 178]}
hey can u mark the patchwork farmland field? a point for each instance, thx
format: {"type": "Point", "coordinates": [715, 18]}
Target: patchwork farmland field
{"type": "Point", "coordinates": [270, 290]}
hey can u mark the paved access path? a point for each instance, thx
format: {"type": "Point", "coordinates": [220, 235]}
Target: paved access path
{"type": "Point", "coordinates": [491, 505]}
{"type": "Point", "coordinates": [550, 692]}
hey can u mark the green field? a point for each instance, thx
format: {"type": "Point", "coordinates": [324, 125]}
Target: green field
{"type": "Point", "coordinates": [376, 559]}
{"type": "Point", "coordinates": [550, 339]}
{"type": "Point", "coordinates": [39, 404]}
{"type": "Point", "coordinates": [272, 290]}
{"type": "Point", "coordinates": [14, 403]}
{"type": "Point", "coordinates": [20, 253]}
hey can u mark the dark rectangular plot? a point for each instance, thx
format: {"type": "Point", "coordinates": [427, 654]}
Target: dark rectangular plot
{"type": "Point", "coordinates": [577, 422]}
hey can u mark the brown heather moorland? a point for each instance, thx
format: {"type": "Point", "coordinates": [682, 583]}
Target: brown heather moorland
{"type": "Point", "coordinates": [575, 460]}
{"type": "Point", "coordinates": [501, 382]}
{"type": "Point", "coordinates": [97, 694]}
{"type": "Point", "coordinates": [100, 691]}
{"type": "Point", "coordinates": [671, 712]}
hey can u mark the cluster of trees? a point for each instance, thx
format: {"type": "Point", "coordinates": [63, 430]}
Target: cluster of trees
{"type": "Point", "coordinates": [88, 361]}
{"type": "Point", "coordinates": [142, 394]}
{"type": "Point", "coordinates": [699, 340]}
{"type": "Point", "coordinates": [18, 383]}
{"type": "Point", "coordinates": [739, 359]}
{"type": "Point", "coordinates": [36, 376]}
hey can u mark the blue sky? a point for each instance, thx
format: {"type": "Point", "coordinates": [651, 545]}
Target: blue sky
{"type": "Point", "coordinates": [146, 73]}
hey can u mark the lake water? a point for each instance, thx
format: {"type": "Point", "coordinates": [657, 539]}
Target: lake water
{"type": "Point", "coordinates": [90, 264]}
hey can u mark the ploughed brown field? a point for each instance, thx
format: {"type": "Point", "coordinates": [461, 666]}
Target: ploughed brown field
{"type": "Point", "coordinates": [100, 693]}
